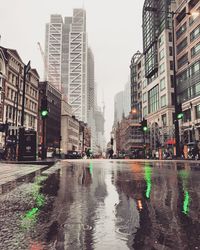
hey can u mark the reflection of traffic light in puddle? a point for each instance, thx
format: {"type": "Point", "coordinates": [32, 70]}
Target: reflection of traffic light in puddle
{"type": "Point", "coordinates": [186, 202]}
{"type": "Point", "coordinates": [91, 168]}
{"type": "Point", "coordinates": [147, 177]}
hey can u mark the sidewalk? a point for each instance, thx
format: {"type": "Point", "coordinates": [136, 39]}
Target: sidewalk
{"type": "Point", "coordinates": [48, 161]}
{"type": "Point", "coordinates": [13, 174]}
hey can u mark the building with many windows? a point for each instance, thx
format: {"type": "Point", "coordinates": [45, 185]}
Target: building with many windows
{"type": "Point", "coordinates": [53, 50]}
{"type": "Point", "coordinates": [53, 120]}
{"type": "Point", "coordinates": [187, 38]}
{"type": "Point", "coordinates": [137, 74]}
{"type": "Point", "coordinates": [158, 92]}
{"type": "Point", "coordinates": [66, 59]}
{"type": "Point", "coordinates": [11, 92]}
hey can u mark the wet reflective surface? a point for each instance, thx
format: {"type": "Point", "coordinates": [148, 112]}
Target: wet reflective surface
{"type": "Point", "coordinates": [101, 204]}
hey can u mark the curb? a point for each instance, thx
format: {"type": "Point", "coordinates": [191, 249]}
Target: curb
{"type": "Point", "coordinates": [49, 163]}
{"type": "Point", "coordinates": [8, 186]}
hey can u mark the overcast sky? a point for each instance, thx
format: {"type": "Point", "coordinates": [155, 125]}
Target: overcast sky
{"type": "Point", "coordinates": [114, 30]}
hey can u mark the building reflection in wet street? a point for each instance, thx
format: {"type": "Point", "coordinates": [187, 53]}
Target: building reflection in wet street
{"type": "Point", "coordinates": [123, 205]}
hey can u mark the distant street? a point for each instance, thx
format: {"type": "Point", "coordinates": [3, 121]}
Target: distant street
{"type": "Point", "coordinates": [105, 204]}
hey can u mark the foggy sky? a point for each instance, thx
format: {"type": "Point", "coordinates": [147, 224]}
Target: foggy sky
{"type": "Point", "coordinates": [114, 29]}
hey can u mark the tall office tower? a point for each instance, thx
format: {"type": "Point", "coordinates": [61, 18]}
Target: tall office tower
{"type": "Point", "coordinates": [158, 65]}
{"type": "Point", "coordinates": [90, 82]}
{"type": "Point", "coordinates": [118, 106]}
{"type": "Point", "coordinates": [100, 121]}
{"type": "Point", "coordinates": [65, 55]}
{"type": "Point", "coordinates": [53, 50]}
{"type": "Point", "coordinates": [127, 98]}
{"type": "Point", "coordinates": [77, 85]}
{"type": "Point", "coordinates": [66, 59]}
{"type": "Point", "coordinates": [91, 98]}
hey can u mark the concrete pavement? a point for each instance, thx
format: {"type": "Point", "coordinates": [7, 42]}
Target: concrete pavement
{"type": "Point", "coordinates": [12, 174]}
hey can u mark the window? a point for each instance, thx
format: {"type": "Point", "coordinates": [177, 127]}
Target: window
{"type": "Point", "coordinates": [181, 30]}
{"type": "Point", "coordinates": [162, 84]}
{"type": "Point", "coordinates": [161, 40]}
{"type": "Point", "coordinates": [170, 37]}
{"type": "Point", "coordinates": [195, 68]}
{"type": "Point", "coordinates": [181, 16]}
{"type": "Point", "coordinates": [144, 97]}
{"type": "Point", "coordinates": [172, 97]}
{"type": "Point", "coordinates": [144, 83]}
{"type": "Point", "coordinates": [172, 81]}
{"type": "Point", "coordinates": [162, 68]}
{"type": "Point", "coordinates": [145, 111]}
{"type": "Point", "coordinates": [164, 119]}
{"type": "Point", "coordinates": [197, 89]}
{"type": "Point", "coordinates": [183, 60]}
{"type": "Point", "coordinates": [171, 65]}
{"type": "Point", "coordinates": [192, 3]}
{"type": "Point", "coordinates": [197, 109]}
{"type": "Point", "coordinates": [193, 17]}
{"type": "Point", "coordinates": [153, 97]}
{"type": "Point", "coordinates": [163, 101]}
{"type": "Point", "coordinates": [187, 115]}
{"type": "Point", "coordinates": [195, 33]}
{"type": "Point", "coordinates": [161, 54]}
{"type": "Point", "coordinates": [195, 50]}
{"type": "Point", "coordinates": [181, 45]}
{"type": "Point", "coordinates": [170, 51]}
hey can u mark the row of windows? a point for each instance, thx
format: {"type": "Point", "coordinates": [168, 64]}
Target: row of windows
{"type": "Point", "coordinates": [195, 33]}
{"type": "Point", "coordinates": [187, 114]}
{"type": "Point", "coordinates": [12, 95]}
{"type": "Point", "coordinates": [190, 92]}
{"type": "Point", "coordinates": [29, 120]}
{"type": "Point", "coordinates": [195, 50]}
{"type": "Point", "coordinates": [188, 73]}
{"type": "Point", "coordinates": [183, 60]}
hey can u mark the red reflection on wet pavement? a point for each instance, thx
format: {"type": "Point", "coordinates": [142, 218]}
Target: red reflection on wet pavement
{"type": "Point", "coordinates": [36, 246]}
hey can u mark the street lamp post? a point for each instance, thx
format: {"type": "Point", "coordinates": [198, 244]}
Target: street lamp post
{"type": "Point", "coordinates": [176, 121]}
{"type": "Point", "coordinates": [26, 70]}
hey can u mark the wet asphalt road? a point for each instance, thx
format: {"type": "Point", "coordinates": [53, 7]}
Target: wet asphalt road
{"type": "Point", "coordinates": [102, 204]}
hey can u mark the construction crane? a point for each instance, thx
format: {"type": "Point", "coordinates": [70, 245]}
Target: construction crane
{"type": "Point", "coordinates": [44, 61]}
{"type": "Point", "coordinates": [49, 77]}
{"type": "Point", "coordinates": [46, 75]}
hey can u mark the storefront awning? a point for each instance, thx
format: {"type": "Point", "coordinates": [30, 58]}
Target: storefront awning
{"type": "Point", "coordinates": [170, 142]}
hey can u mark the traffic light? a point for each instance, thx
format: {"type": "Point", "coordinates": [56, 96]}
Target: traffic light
{"type": "Point", "coordinates": [44, 108]}
{"type": "Point", "coordinates": [144, 125]}
{"type": "Point", "coordinates": [179, 114]}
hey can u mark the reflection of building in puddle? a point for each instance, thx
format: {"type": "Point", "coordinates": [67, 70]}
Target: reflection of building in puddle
{"type": "Point", "coordinates": [82, 190]}
{"type": "Point", "coordinates": [157, 199]}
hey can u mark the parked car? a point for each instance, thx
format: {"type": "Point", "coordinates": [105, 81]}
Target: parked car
{"type": "Point", "coordinates": [73, 155]}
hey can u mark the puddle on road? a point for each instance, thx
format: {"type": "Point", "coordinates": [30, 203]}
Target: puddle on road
{"type": "Point", "coordinates": [104, 205]}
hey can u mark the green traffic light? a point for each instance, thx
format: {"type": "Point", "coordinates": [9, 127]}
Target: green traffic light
{"type": "Point", "coordinates": [180, 116]}
{"type": "Point", "coordinates": [44, 113]}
